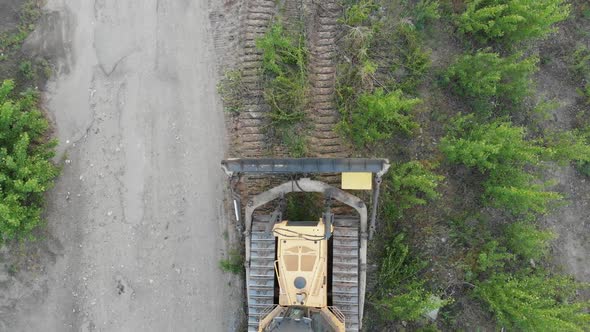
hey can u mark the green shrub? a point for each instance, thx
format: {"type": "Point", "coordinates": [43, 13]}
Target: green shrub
{"type": "Point", "coordinates": [231, 89]}
{"type": "Point", "coordinates": [232, 264]}
{"type": "Point", "coordinates": [567, 146]}
{"type": "Point", "coordinates": [486, 75]}
{"type": "Point", "coordinates": [377, 116]}
{"type": "Point", "coordinates": [511, 21]}
{"type": "Point", "coordinates": [401, 294]}
{"type": "Point", "coordinates": [397, 266]}
{"type": "Point", "coordinates": [26, 171]}
{"type": "Point", "coordinates": [583, 167]}
{"type": "Point", "coordinates": [411, 61]}
{"type": "Point", "coordinates": [585, 92]}
{"type": "Point", "coordinates": [536, 302]}
{"type": "Point", "coordinates": [425, 11]}
{"type": "Point", "coordinates": [519, 198]}
{"type": "Point", "coordinates": [488, 146]}
{"type": "Point", "coordinates": [492, 257]}
{"type": "Point", "coordinates": [580, 61]}
{"type": "Point", "coordinates": [358, 13]}
{"type": "Point", "coordinates": [284, 68]}
{"type": "Point", "coordinates": [26, 68]}
{"type": "Point", "coordinates": [407, 185]}
{"type": "Point", "coordinates": [527, 241]}
{"type": "Point", "coordinates": [410, 304]}
{"type": "Point", "coordinates": [501, 152]}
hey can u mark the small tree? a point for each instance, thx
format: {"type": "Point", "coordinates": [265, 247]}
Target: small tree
{"type": "Point", "coordinates": [26, 171]}
{"type": "Point", "coordinates": [535, 302]}
{"type": "Point", "coordinates": [511, 21]}
{"type": "Point", "coordinates": [378, 115]}
{"type": "Point", "coordinates": [485, 75]}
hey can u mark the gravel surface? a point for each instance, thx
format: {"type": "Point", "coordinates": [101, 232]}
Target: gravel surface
{"type": "Point", "coordinates": [136, 221]}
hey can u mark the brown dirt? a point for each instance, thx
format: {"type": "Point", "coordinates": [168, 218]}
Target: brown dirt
{"type": "Point", "coordinates": [571, 250]}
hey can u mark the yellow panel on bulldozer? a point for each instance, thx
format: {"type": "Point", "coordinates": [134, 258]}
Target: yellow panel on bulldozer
{"type": "Point", "coordinates": [357, 180]}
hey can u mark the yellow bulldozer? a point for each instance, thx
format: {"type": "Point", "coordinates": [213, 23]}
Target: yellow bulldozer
{"type": "Point", "coordinates": [306, 275]}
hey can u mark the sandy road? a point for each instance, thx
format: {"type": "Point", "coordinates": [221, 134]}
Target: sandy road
{"type": "Point", "coordinates": [137, 217]}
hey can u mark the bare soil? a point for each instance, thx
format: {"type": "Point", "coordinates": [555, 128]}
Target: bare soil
{"type": "Point", "coordinates": [136, 223]}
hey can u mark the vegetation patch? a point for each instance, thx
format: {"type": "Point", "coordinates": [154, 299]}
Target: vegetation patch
{"type": "Point", "coordinates": [501, 151]}
{"type": "Point", "coordinates": [510, 21]}
{"type": "Point", "coordinates": [232, 90]}
{"type": "Point", "coordinates": [408, 185]}
{"type": "Point", "coordinates": [535, 301]}
{"type": "Point", "coordinates": [26, 170]}
{"type": "Point", "coordinates": [489, 79]}
{"type": "Point", "coordinates": [286, 88]}
{"type": "Point", "coordinates": [402, 294]}
{"type": "Point", "coordinates": [233, 264]}
{"type": "Point", "coordinates": [377, 116]}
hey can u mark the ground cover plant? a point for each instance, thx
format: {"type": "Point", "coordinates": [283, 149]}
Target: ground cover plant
{"type": "Point", "coordinates": [284, 70]}
{"type": "Point", "coordinates": [26, 169]}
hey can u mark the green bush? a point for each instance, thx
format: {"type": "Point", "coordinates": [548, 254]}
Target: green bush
{"type": "Point", "coordinates": [411, 61]}
{"type": "Point", "coordinates": [232, 264]}
{"type": "Point", "coordinates": [520, 198]}
{"type": "Point", "coordinates": [580, 61]}
{"type": "Point", "coordinates": [527, 241]}
{"type": "Point", "coordinates": [492, 257]}
{"type": "Point", "coordinates": [397, 266]}
{"type": "Point", "coordinates": [567, 146]}
{"type": "Point", "coordinates": [410, 304]}
{"type": "Point", "coordinates": [284, 69]}
{"type": "Point", "coordinates": [535, 302]}
{"type": "Point", "coordinates": [377, 116]}
{"type": "Point", "coordinates": [401, 294]}
{"type": "Point", "coordinates": [26, 171]}
{"type": "Point", "coordinates": [511, 21]}
{"type": "Point", "coordinates": [232, 90]}
{"type": "Point", "coordinates": [488, 146]}
{"type": "Point", "coordinates": [501, 152]}
{"type": "Point", "coordinates": [585, 92]}
{"type": "Point", "coordinates": [425, 11]}
{"type": "Point", "coordinates": [485, 75]}
{"type": "Point", "coordinates": [407, 185]}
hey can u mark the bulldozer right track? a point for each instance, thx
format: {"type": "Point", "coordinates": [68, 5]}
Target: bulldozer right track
{"type": "Point", "coordinates": [345, 269]}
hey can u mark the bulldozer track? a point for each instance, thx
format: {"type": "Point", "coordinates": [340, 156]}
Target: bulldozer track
{"type": "Point", "coordinates": [249, 139]}
{"type": "Point", "coordinates": [261, 281]}
{"type": "Point", "coordinates": [323, 140]}
{"type": "Point", "coordinates": [345, 269]}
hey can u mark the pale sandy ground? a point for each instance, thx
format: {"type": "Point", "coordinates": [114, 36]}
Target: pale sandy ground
{"type": "Point", "coordinates": [136, 220]}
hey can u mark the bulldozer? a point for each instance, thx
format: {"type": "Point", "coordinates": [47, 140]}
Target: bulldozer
{"type": "Point", "coordinates": [306, 275]}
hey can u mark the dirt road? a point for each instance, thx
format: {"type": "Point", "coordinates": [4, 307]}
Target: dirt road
{"type": "Point", "coordinates": [136, 221]}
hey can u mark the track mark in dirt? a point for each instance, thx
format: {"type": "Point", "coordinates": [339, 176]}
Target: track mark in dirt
{"type": "Point", "coordinates": [325, 142]}
{"type": "Point", "coordinates": [248, 127]}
